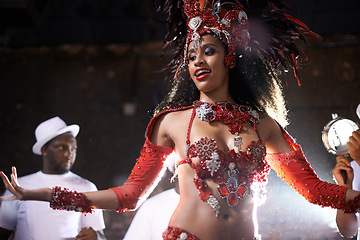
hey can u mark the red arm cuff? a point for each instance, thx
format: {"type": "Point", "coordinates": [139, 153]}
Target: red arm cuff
{"type": "Point", "coordinates": [143, 178]}
{"type": "Point", "coordinates": [146, 173]}
{"type": "Point", "coordinates": [296, 171]}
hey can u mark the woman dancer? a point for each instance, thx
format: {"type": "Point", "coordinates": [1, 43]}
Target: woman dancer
{"type": "Point", "coordinates": [223, 120]}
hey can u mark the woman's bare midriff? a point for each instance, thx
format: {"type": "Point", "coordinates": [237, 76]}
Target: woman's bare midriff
{"type": "Point", "coordinates": [198, 218]}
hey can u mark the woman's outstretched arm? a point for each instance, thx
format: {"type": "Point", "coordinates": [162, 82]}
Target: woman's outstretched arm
{"type": "Point", "coordinates": [104, 199]}
{"type": "Point", "coordinates": [41, 194]}
{"type": "Point", "coordinates": [288, 160]}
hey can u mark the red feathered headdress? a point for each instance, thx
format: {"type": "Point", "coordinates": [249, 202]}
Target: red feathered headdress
{"type": "Point", "coordinates": [251, 25]}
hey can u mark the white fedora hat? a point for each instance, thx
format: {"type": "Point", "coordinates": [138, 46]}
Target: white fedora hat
{"type": "Point", "coordinates": [50, 129]}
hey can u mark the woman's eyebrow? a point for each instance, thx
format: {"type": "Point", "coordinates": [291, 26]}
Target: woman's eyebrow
{"type": "Point", "coordinates": [204, 46]}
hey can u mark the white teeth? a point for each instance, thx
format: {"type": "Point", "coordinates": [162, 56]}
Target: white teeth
{"type": "Point", "coordinates": [202, 71]}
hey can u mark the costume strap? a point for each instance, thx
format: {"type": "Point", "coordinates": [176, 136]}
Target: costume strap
{"type": "Point", "coordinates": [187, 160]}
{"type": "Point", "coordinates": [64, 199]}
{"type": "Point", "coordinates": [190, 126]}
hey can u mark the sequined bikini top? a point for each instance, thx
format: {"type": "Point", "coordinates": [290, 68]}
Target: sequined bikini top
{"type": "Point", "coordinates": [237, 173]}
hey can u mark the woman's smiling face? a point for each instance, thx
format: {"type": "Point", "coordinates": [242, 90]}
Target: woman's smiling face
{"type": "Point", "coordinates": [206, 65]}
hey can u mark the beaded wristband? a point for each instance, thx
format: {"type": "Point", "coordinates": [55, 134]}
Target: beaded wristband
{"type": "Point", "coordinates": [353, 205]}
{"type": "Point", "coordinates": [64, 199]}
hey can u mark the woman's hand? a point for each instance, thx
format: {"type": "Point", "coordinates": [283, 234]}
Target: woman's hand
{"type": "Point", "coordinates": [354, 146]}
{"type": "Point", "coordinates": [343, 165]}
{"type": "Point", "coordinates": [13, 186]}
{"type": "Point", "coordinates": [40, 194]}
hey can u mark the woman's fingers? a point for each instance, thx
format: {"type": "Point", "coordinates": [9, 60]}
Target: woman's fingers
{"type": "Point", "coordinates": [14, 180]}
{"type": "Point", "coordinates": [8, 186]}
{"type": "Point", "coordinates": [13, 170]}
{"type": "Point", "coordinates": [338, 171]}
{"type": "Point", "coordinates": [5, 180]}
{"type": "Point", "coordinates": [342, 160]}
{"type": "Point", "coordinates": [354, 146]}
{"type": "Point", "coordinates": [12, 186]}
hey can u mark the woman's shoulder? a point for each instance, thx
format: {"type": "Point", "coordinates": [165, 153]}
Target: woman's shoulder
{"type": "Point", "coordinates": [178, 114]}
{"type": "Point", "coordinates": [276, 138]}
{"type": "Point", "coordinates": [267, 126]}
{"type": "Point", "coordinates": [173, 110]}
{"type": "Point", "coordinates": [170, 115]}
{"type": "Point", "coordinates": [165, 122]}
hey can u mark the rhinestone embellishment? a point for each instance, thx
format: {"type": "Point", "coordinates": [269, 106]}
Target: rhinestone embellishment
{"type": "Point", "coordinates": [213, 164]}
{"type": "Point", "coordinates": [183, 236]}
{"type": "Point", "coordinates": [214, 204]}
{"type": "Point", "coordinates": [232, 191]}
{"type": "Point", "coordinates": [205, 113]}
{"type": "Point", "coordinates": [195, 22]}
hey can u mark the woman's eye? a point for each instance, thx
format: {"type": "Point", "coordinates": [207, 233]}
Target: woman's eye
{"type": "Point", "coordinates": [192, 57]}
{"type": "Point", "coordinates": [209, 51]}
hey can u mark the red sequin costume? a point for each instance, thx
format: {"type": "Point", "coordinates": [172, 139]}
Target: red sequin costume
{"type": "Point", "coordinates": [291, 167]}
{"type": "Point", "coordinates": [236, 173]}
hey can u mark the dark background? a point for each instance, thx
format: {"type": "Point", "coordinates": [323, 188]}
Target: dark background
{"type": "Point", "coordinates": [53, 22]}
{"type": "Point", "coordinates": [89, 61]}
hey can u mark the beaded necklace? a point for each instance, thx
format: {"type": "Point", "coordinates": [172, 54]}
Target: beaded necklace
{"type": "Point", "coordinates": [230, 114]}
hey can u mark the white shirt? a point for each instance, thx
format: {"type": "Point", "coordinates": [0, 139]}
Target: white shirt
{"type": "Point", "coordinates": [356, 180]}
{"type": "Point", "coordinates": [153, 217]}
{"type": "Point", "coordinates": [35, 220]}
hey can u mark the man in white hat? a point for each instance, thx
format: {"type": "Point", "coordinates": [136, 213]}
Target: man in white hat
{"type": "Point", "coordinates": [36, 220]}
